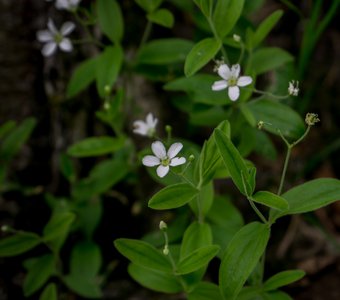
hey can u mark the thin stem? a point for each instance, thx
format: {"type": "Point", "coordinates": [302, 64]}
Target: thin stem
{"type": "Point", "coordinates": [146, 34]}
{"type": "Point", "coordinates": [270, 94]}
{"type": "Point", "coordinates": [285, 166]}
{"type": "Point", "coordinates": [224, 53]}
{"type": "Point", "coordinates": [257, 211]}
{"type": "Point", "coordinates": [241, 53]}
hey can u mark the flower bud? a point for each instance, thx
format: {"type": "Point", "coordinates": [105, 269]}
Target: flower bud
{"type": "Point", "coordinates": [260, 125]}
{"type": "Point", "coordinates": [163, 226]}
{"type": "Point", "coordinates": [191, 157]}
{"type": "Point", "coordinates": [4, 228]}
{"type": "Point", "coordinates": [166, 250]}
{"type": "Point", "coordinates": [311, 119]}
{"type": "Point", "coordinates": [107, 90]}
{"type": "Point", "coordinates": [168, 128]}
{"type": "Point", "coordinates": [236, 38]}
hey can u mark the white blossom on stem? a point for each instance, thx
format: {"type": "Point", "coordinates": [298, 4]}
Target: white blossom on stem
{"type": "Point", "coordinates": [293, 88]}
{"type": "Point", "coordinates": [164, 159]}
{"type": "Point", "coordinates": [70, 5]}
{"type": "Point", "coordinates": [231, 80]}
{"type": "Point", "coordinates": [147, 128]}
{"type": "Point", "coordinates": [54, 38]}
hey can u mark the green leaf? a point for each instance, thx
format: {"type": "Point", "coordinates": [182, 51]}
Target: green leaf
{"type": "Point", "coordinates": [149, 5]}
{"type": "Point", "coordinates": [241, 257]}
{"type": "Point", "coordinates": [205, 291]}
{"type": "Point", "coordinates": [281, 117]}
{"type": "Point", "coordinates": [49, 292]}
{"type": "Point", "coordinates": [143, 254]}
{"type": "Point", "coordinates": [310, 196]}
{"type": "Point", "coordinates": [85, 287]}
{"type": "Point", "coordinates": [226, 15]}
{"type": "Point", "coordinates": [210, 159]}
{"type": "Point", "coordinates": [197, 259]}
{"type": "Point", "coordinates": [265, 27]}
{"type": "Point", "coordinates": [86, 260]}
{"type": "Point", "coordinates": [173, 196]}
{"type": "Point", "coordinates": [164, 51]}
{"type": "Point", "coordinates": [283, 278]}
{"type": "Point", "coordinates": [19, 243]}
{"type": "Point", "coordinates": [203, 201]}
{"type": "Point", "coordinates": [234, 163]}
{"type": "Point", "coordinates": [57, 228]}
{"type": "Point", "coordinates": [157, 281]}
{"type": "Point", "coordinates": [196, 236]}
{"type": "Point", "coordinates": [200, 55]}
{"type": "Point", "coordinates": [95, 146]}
{"type": "Point", "coordinates": [205, 6]}
{"type": "Point", "coordinates": [82, 76]}
{"type": "Point", "coordinates": [16, 138]}
{"type": "Point", "coordinates": [38, 274]}
{"type": "Point", "coordinates": [108, 66]}
{"type": "Point", "coordinates": [67, 167]}
{"type": "Point", "coordinates": [162, 17]}
{"type": "Point", "coordinates": [198, 87]}
{"type": "Point", "coordinates": [110, 19]}
{"type": "Point", "coordinates": [271, 200]}
{"type": "Point", "coordinates": [89, 214]}
{"type": "Point", "coordinates": [276, 295]}
{"type": "Point", "coordinates": [267, 59]}
{"type": "Point", "coordinates": [6, 128]}
{"type": "Point", "coordinates": [102, 177]}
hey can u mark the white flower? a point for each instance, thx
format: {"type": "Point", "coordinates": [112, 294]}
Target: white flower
{"type": "Point", "coordinates": [147, 128]}
{"type": "Point", "coordinates": [293, 88]}
{"type": "Point", "coordinates": [70, 5]}
{"type": "Point", "coordinates": [164, 159]}
{"type": "Point", "coordinates": [55, 38]}
{"type": "Point", "coordinates": [231, 80]}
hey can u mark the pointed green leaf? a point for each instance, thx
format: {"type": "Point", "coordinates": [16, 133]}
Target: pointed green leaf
{"type": "Point", "coordinates": [82, 76]}
{"type": "Point", "coordinates": [241, 256]}
{"type": "Point", "coordinates": [38, 274]}
{"type": "Point", "coordinates": [265, 27]}
{"type": "Point", "coordinates": [6, 128]}
{"type": "Point", "coordinates": [49, 292]}
{"type": "Point", "coordinates": [279, 116]}
{"type": "Point", "coordinates": [267, 59]}
{"type": "Point", "coordinates": [205, 6]}
{"type": "Point", "coordinates": [162, 17]}
{"type": "Point", "coordinates": [85, 287]}
{"type": "Point", "coordinates": [16, 138]}
{"type": "Point", "coordinates": [94, 146]}
{"type": "Point", "coordinates": [19, 243]}
{"type": "Point", "coordinates": [310, 196]}
{"type": "Point", "coordinates": [143, 254]}
{"type": "Point", "coordinates": [154, 280]}
{"type": "Point", "coordinates": [283, 278]}
{"type": "Point", "coordinates": [110, 19]}
{"type": "Point", "coordinates": [197, 259]}
{"type": "Point", "coordinates": [149, 5]}
{"type": "Point", "coordinates": [205, 291]}
{"type": "Point", "coordinates": [196, 236]}
{"type": "Point", "coordinates": [234, 162]}
{"type": "Point", "coordinates": [173, 196]}
{"type": "Point", "coordinates": [226, 14]}
{"type": "Point", "coordinates": [164, 51]}
{"type": "Point", "coordinates": [271, 200]}
{"type": "Point", "coordinates": [108, 67]}
{"type": "Point", "coordinates": [203, 52]}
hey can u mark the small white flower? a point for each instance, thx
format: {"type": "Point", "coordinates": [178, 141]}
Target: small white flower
{"type": "Point", "coordinates": [231, 80]}
{"type": "Point", "coordinates": [147, 128]}
{"type": "Point", "coordinates": [55, 38]}
{"type": "Point", "coordinates": [164, 159]}
{"type": "Point", "coordinates": [70, 5]}
{"type": "Point", "coordinates": [293, 88]}
{"type": "Point", "coordinates": [236, 38]}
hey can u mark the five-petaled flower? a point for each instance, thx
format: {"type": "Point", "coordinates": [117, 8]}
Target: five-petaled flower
{"type": "Point", "coordinates": [231, 80]}
{"type": "Point", "coordinates": [147, 128]}
{"type": "Point", "coordinates": [55, 38]}
{"type": "Point", "coordinates": [164, 159]}
{"type": "Point", "coordinates": [293, 88]}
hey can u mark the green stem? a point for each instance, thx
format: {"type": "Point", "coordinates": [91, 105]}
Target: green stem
{"type": "Point", "coordinates": [224, 52]}
{"type": "Point", "coordinates": [285, 166]}
{"type": "Point", "coordinates": [270, 94]}
{"type": "Point", "coordinates": [257, 211]}
{"type": "Point", "coordinates": [146, 34]}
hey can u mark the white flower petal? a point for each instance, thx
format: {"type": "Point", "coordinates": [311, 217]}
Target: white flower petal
{"type": "Point", "coordinates": [49, 49]}
{"type": "Point", "coordinates": [219, 85]}
{"type": "Point", "coordinates": [140, 127]}
{"type": "Point", "coordinates": [224, 71]}
{"type": "Point", "coordinates": [67, 28]}
{"type": "Point", "coordinates": [150, 161]}
{"type": "Point", "coordinates": [151, 121]}
{"type": "Point", "coordinates": [174, 149]}
{"type": "Point", "coordinates": [66, 45]}
{"type": "Point", "coordinates": [162, 171]}
{"type": "Point", "coordinates": [62, 4]}
{"type": "Point", "coordinates": [244, 80]}
{"type": "Point", "coordinates": [177, 161]}
{"type": "Point", "coordinates": [234, 93]}
{"type": "Point", "coordinates": [158, 149]}
{"type": "Point", "coordinates": [235, 70]}
{"type": "Point", "coordinates": [51, 27]}
{"type": "Point", "coordinates": [44, 36]}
